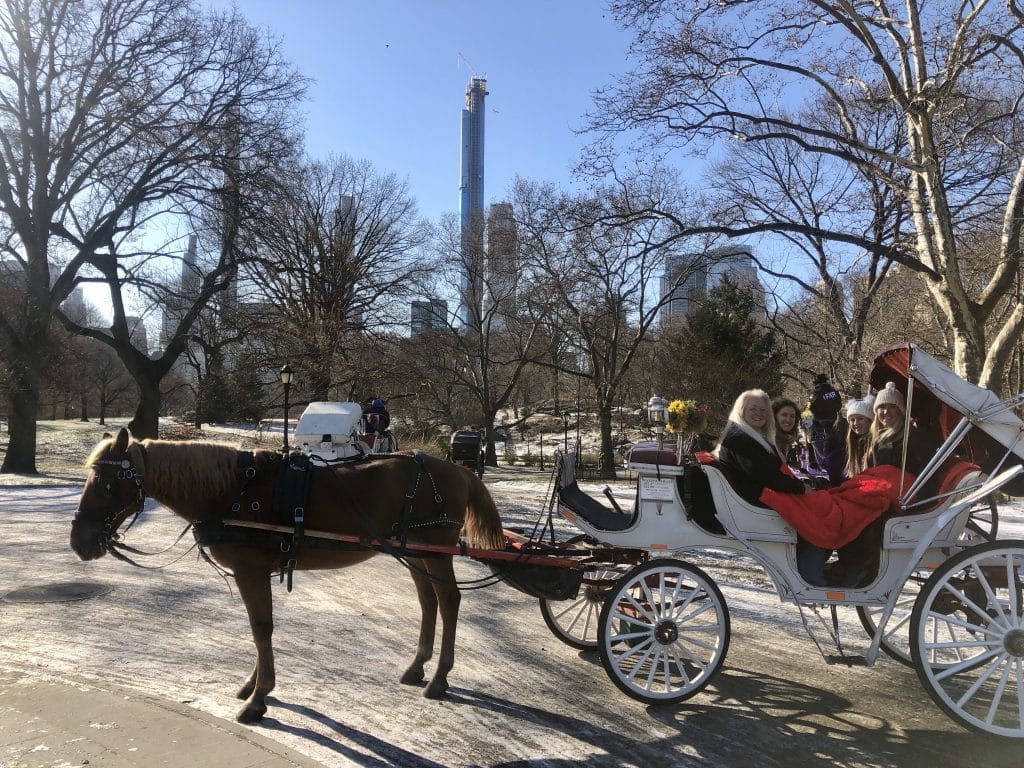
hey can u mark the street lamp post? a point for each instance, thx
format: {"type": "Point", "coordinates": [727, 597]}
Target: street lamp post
{"type": "Point", "coordinates": [287, 374]}
{"type": "Point", "coordinates": [565, 428]}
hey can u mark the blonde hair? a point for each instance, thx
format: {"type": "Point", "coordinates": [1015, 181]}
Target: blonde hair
{"type": "Point", "coordinates": [878, 432]}
{"type": "Point", "coordinates": [736, 414]}
{"type": "Point", "coordinates": [857, 448]}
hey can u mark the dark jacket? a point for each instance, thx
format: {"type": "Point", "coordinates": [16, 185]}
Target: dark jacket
{"type": "Point", "coordinates": [920, 449]}
{"type": "Point", "coordinates": [752, 467]}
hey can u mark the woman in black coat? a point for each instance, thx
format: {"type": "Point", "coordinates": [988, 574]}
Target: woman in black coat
{"type": "Point", "coordinates": [747, 449]}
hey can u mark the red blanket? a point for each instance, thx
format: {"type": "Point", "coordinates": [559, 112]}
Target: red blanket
{"type": "Point", "coordinates": [834, 517]}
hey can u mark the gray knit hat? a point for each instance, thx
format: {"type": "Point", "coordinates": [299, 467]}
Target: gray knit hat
{"type": "Point", "coordinates": [890, 396]}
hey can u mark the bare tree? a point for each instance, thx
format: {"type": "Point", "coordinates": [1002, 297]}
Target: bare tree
{"type": "Point", "coordinates": [114, 114]}
{"type": "Point", "coordinates": [473, 368]}
{"type": "Point", "coordinates": [718, 71]}
{"type": "Point", "coordinates": [775, 181]}
{"type": "Point", "coordinates": [340, 254]}
{"type": "Point", "coordinates": [604, 275]}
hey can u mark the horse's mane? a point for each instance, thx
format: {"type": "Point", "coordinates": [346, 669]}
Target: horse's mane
{"type": "Point", "coordinates": [189, 470]}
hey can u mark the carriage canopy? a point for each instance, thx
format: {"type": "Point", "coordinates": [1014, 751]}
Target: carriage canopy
{"type": "Point", "coordinates": [989, 431]}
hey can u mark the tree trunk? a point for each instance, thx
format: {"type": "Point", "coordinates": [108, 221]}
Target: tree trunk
{"type": "Point", "coordinates": [146, 421]}
{"type": "Point", "coordinates": [607, 449]}
{"type": "Point", "coordinates": [490, 455]}
{"type": "Point", "coordinates": [85, 409]}
{"type": "Point", "coordinates": [23, 402]}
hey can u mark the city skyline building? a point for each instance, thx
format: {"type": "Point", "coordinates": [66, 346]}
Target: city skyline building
{"type": "Point", "coordinates": [176, 302]}
{"type": "Point", "coordinates": [500, 268]}
{"type": "Point", "coordinates": [427, 315]}
{"type": "Point", "coordinates": [703, 272]}
{"type": "Point", "coordinates": [137, 333]}
{"type": "Point", "coordinates": [471, 208]}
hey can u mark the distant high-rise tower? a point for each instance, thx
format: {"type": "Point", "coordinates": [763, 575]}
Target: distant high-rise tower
{"type": "Point", "coordinates": [428, 314]}
{"type": "Point", "coordinates": [501, 271]}
{"type": "Point", "coordinates": [188, 288]}
{"type": "Point", "coordinates": [472, 203]}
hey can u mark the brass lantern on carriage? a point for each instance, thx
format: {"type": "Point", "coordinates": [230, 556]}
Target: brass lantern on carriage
{"type": "Point", "coordinates": [657, 415]}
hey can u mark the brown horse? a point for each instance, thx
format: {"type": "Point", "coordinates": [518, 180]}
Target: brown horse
{"type": "Point", "coordinates": [206, 482]}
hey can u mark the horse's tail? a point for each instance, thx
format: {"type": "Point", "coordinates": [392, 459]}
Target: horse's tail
{"type": "Point", "coordinates": [483, 523]}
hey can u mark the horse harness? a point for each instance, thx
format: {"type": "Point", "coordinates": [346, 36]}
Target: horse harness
{"type": "Point", "coordinates": [110, 534]}
{"type": "Point", "coordinates": [291, 494]}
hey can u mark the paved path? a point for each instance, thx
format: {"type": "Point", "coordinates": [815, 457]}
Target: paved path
{"type": "Point", "coordinates": [51, 722]}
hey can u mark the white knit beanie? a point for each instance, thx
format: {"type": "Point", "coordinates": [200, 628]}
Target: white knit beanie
{"type": "Point", "coordinates": [864, 407]}
{"type": "Point", "coordinates": [890, 396]}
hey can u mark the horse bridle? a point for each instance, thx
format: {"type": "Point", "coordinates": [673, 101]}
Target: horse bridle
{"type": "Point", "coordinates": [112, 522]}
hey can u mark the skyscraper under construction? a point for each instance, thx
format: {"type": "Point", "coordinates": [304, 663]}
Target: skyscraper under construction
{"type": "Point", "coordinates": [472, 203]}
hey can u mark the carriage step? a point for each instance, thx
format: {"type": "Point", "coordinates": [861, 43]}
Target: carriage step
{"type": "Point", "coordinates": [847, 660]}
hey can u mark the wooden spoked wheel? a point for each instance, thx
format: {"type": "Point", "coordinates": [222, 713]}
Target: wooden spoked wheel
{"type": "Point", "coordinates": [664, 631]}
{"type": "Point", "coordinates": [984, 520]}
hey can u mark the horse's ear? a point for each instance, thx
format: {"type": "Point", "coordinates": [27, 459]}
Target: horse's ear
{"type": "Point", "coordinates": [106, 436]}
{"type": "Point", "coordinates": [121, 441]}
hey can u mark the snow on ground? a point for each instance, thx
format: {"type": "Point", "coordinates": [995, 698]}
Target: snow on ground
{"type": "Point", "coordinates": [343, 639]}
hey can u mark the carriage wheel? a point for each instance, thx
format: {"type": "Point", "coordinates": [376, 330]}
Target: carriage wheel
{"type": "Point", "coordinates": [663, 631]}
{"type": "Point", "coordinates": [984, 519]}
{"type": "Point", "coordinates": [575, 621]}
{"type": "Point", "coordinates": [976, 599]}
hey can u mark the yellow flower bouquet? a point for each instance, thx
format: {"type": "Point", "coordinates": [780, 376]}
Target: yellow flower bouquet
{"type": "Point", "coordinates": [687, 417]}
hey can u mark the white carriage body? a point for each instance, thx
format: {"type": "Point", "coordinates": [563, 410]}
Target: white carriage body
{"type": "Point", "coordinates": [660, 523]}
{"type": "Point", "coordinates": [329, 430]}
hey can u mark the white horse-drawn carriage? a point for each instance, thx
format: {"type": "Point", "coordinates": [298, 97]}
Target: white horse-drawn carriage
{"type": "Point", "coordinates": [335, 431]}
{"type": "Point", "coordinates": [948, 598]}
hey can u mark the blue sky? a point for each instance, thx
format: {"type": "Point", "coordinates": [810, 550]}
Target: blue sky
{"type": "Point", "coordinates": [390, 79]}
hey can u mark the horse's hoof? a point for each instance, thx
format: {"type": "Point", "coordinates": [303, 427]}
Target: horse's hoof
{"type": "Point", "coordinates": [245, 691]}
{"type": "Point", "coordinates": [435, 690]}
{"type": "Point", "coordinates": [251, 713]}
{"type": "Point", "coordinates": [412, 677]}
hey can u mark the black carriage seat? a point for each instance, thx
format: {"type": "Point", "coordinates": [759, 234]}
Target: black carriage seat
{"type": "Point", "coordinates": [739, 517]}
{"type": "Point", "coordinates": [904, 530]}
{"type": "Point", "coordinates": [583, 505]}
